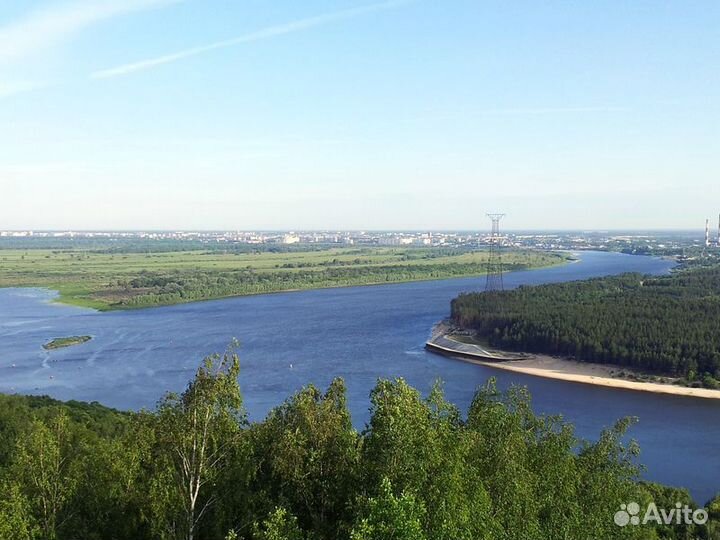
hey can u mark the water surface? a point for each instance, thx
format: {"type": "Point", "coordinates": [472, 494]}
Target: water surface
{"type": "Point", "coordinates": [359, 333]}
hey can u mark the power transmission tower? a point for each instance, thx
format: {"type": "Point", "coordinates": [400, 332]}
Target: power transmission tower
{"type": "Point", "coordinates": [494, 266]}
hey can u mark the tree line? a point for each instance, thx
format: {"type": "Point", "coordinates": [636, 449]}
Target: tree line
{"type": "Point", "coordinates": [195, 468]}
{"type": "Point", "coordinates": [173, 286]}
{"type": "Point", "coordinates": [668, 325]}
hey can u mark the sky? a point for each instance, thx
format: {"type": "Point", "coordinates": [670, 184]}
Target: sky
{"type": "Point", "coordinates": [399, 114]}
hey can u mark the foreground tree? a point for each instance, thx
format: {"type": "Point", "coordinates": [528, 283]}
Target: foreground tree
{"type": "Point", "coordinates": [419, 470]}
{"type": "Point", "coordinates": [47, 468]}
{"type": "Point", "coordinates": [388, 517]}
{"type": "Point", "coordinates": [713, 526]}
{"type": "Point", "coordinates": [307, 457]}
{"type": "Point", "coordinates": [279, 525]}
{"type": "Point", "coordinates": [195, 434]}
{"type": "Point", "coordinates": [113, 497]}
{"type": "Point", "coordinates": [16, 520]}
{"type": "Point", "coordinates": [421, 446]}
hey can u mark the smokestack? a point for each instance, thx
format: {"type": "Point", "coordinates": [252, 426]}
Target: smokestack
{"type": "Point", "coordinates": [707, 233]}
{"type": "Point", "coordinates": [718, 238]}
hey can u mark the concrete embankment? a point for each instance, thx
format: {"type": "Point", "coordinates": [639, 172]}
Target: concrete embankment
{"type": "Point", "coordinates": [443, 344]}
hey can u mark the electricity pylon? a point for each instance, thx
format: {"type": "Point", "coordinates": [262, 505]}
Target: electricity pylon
{"type": "Point", "coordinates": [494, 280]}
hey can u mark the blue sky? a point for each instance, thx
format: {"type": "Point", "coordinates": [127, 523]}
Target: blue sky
{"type": "Point", "coordinates": [250, 114]}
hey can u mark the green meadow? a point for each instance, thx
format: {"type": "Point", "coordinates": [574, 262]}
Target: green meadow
{"type": "Point", "coordinates": [119, 280]}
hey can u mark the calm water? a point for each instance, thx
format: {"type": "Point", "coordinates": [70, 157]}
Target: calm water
{"type": "Point", "coordinates": [359, 333]}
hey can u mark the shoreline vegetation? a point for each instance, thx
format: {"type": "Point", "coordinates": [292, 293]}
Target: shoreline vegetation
{"type": "Point", "coordinates": [553, 367]}
{"type": "Point", "coordinates": [61, 343]}
{"type": "Point", "coordinates": [111, 280]}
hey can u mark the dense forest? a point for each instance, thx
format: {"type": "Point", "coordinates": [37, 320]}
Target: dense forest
{"type": "Point", "coordinates": [668, 325]}
{"type": "Point", "coordinates": [195, 468]}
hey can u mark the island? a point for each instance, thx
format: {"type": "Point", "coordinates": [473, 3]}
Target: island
{"type": "Point", "coordinates": [656, 333]}
{"type": "Point", "coordinates": [59, 343]}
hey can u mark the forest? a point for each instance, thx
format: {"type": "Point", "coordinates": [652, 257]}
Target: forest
{"type": "Point", "coordinates": [666, 325]}
{"type": "Point", "coordinates": [195, 468]}
{"type": "Point", "coordinates": [182, 286]}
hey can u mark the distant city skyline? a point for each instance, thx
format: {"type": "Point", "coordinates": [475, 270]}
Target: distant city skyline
{"type": "Point", "coordinates": [400, 115]}
{"type": "Point", "coordinates": [638, 233]}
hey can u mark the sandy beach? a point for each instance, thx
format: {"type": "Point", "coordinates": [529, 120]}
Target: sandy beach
{"type": "Point", "coordinates": [581, 372]}
{"type": "Point", "coordinates": [552, 367]}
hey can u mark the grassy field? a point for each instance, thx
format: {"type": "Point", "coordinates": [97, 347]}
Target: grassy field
{"type": "Point", "coordinates": [125, 280]}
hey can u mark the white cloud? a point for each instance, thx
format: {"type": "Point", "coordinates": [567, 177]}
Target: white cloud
{"type": "Point", "coordinates": [266, 33]}
{"type": "Point", "coordinates": [46, 27]}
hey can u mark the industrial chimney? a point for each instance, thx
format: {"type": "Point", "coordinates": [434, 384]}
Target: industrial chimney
{"type": "Point", "coordinates": [707, 233]}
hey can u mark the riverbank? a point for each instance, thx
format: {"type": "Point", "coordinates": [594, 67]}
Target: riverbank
{"type": "Point", "coordinates": [119, 281]}
{"type": "Point", "coordinates": [82, 301]}
{"type": "Point", "coordinates": [550, 367]}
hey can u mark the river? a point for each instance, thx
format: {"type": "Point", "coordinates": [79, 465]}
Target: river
{"type": "Point", "coordinates": [359, 333]}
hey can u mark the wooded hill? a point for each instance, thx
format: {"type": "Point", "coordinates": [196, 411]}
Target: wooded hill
{"type": "Point", "coordinates": [196, 469]}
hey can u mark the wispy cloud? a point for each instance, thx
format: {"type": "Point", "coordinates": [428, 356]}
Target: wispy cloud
{"type": "Point", "coordinates": [46, 27]}
{"type": "Point", "coordinates": [265, 33]}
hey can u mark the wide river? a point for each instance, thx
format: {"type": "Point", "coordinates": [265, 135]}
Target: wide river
{"type": "Point", "coordinates": [359, 333]}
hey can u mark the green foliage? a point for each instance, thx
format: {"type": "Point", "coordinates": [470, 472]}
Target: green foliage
{"type": "Point", "coordinates": [668, 497]}
{"type": "Point", "coordinates": [59, 343]}
{"type": "Point", "coordinates": [667, 325]}
{"type": "Point", "coordinates": [16, 410]}
{"type": "Point", "coordinates": [171, 287]}
{"type": "Point", "coordinates": [16, 518]}
{"type": "Point", "coordinates": [195, 468]}
{"type": "Point", "coordinates": [420, 446]}
{"type": "Point", "coordinates": [194, 435]}
{"type": "Point", "coordinates": [390, 518]}
{"type": "Point", "coordinates": [47, 467]}
{"type": "Point", "coordinates": [112, 495]}
{"type": "Point", "coordinates": [713, 526]}
{"type": "Point", "coordinates": [279, 525]}
{"type": "Point", "coordinates": [308, 458]}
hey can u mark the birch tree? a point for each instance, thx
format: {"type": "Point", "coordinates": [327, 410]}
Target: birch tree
{"type": "Point", "coordinates": [196, 432]}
